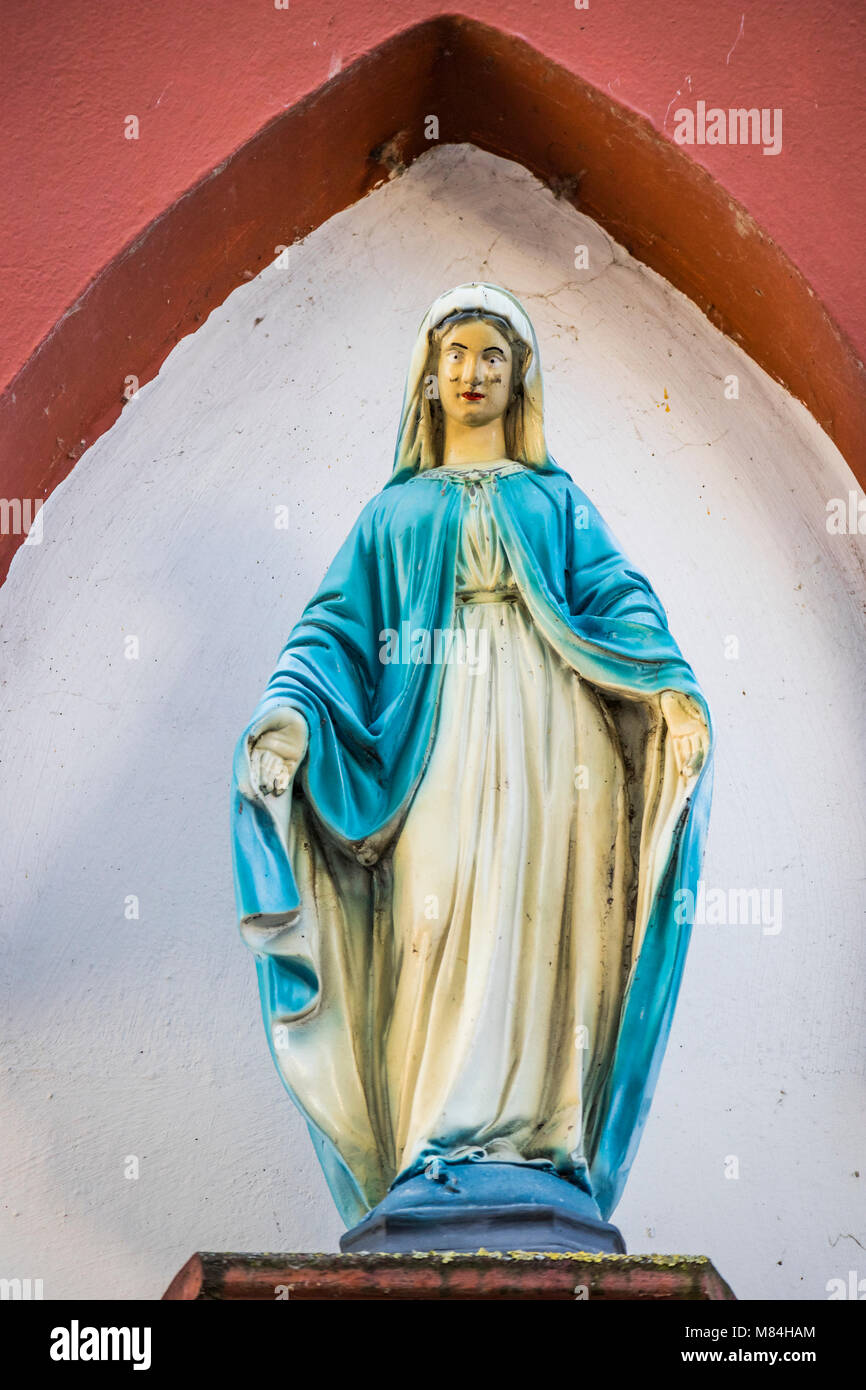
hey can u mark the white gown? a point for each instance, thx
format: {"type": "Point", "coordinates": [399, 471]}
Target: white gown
{"type": "Point", "coordinates": [510, 891]}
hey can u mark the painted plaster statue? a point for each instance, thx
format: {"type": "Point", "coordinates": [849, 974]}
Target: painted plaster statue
{"type": "Point", "coordinates": [465, 804]}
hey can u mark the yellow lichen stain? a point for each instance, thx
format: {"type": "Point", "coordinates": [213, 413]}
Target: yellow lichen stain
{"type": "Point", "coordinates": [664, 402]}
{"type": "Point", "coordinates": [525, 1256]}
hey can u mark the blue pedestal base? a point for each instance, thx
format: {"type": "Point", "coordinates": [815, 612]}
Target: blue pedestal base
{"type": "Point", "coordinates": [467, 1207]}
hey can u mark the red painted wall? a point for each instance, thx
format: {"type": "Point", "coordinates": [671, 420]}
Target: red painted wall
{"type": "Point", "coordinates": [204, 77]}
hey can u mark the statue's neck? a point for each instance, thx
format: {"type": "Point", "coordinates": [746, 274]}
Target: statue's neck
{"type": "Point", "coordinates": [465, 446]}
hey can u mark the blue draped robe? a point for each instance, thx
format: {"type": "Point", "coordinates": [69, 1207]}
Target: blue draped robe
{"type": "Point", "coordinates": [372, 724]}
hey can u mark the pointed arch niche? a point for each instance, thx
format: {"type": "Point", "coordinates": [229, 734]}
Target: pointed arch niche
{"type": "Point", "coordinates": [180, 551]}
{"type": "Point", "coordinates": [368, 124]}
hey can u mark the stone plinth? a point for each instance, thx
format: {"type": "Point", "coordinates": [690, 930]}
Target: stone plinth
{"type": "Point", "coordinates": [481, 1276]}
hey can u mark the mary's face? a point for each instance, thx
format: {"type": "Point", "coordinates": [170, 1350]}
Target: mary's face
{"type": "Point", "coordinates": [474, 376]}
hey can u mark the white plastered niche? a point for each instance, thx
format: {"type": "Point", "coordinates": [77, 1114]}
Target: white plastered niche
{"type": "Point", "coordinates": [140, 1037]}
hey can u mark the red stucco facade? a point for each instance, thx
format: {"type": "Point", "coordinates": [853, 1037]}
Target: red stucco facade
{"type": "Point", "coordinates": [205, 80]}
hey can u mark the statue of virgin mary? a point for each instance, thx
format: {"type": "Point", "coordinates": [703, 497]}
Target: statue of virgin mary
{"type": "Point", "coordinates": [464, 808]}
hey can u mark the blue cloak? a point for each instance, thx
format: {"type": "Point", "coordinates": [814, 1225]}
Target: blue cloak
{"type": "Point", "coordinates": [372, 724]}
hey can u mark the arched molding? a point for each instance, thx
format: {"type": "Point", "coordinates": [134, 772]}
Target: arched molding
{"type": "Point", "coordinates": [365, 125]}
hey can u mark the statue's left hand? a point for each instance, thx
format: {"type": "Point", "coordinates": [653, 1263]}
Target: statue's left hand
{"type": "Point", "coordinates": [689, 733]}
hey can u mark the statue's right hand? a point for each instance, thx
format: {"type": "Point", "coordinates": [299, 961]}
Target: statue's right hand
{"type": "Point", "coordinates": [276, 755]}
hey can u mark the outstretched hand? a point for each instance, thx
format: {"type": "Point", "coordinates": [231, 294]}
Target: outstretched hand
{"type": "Point", "coordinates": [277, 754]}
{"type": "Point", "coordinates": [689, 733]}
